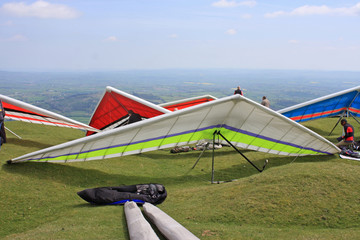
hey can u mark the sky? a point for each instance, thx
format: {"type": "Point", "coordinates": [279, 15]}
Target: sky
{"type": "Point", "coordinates": [108, 35]}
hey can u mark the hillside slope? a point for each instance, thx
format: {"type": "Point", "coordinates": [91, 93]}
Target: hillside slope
{"type": "Point", "coordinates": [302, 198]}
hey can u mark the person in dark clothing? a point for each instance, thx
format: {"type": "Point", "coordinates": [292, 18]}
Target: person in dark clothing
{"type": "Point", "coordinates": [238, 91]}
{"type": "Point", "coordinates": [133, 117]}
{"type": "Point", "coordinates": [2, 124]}
{"type": "Point", "coordinates": [348, 135]}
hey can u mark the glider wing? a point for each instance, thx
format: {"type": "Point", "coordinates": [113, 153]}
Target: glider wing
{"type": "Point", "coordinates": [21, 111]}
{"type": "Point", "coordinates": [113, 109]}
{"type": "Point", "coordinates": [243, 122]}
{"type": "Point", "coordinates": [188, 102]}
{"type": "Point", "coordinates": [327, 106]}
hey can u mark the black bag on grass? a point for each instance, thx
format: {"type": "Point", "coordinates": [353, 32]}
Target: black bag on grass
{"type": "Point", "coordinates": [152, 193]}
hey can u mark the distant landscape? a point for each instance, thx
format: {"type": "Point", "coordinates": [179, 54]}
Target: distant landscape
{"type": "Point", "coordinates": [76, 94]}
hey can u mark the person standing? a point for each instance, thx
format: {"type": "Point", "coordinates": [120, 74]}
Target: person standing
{"type": "Point", "coordinates": [2, 124]}
{"type": "Point", "coordinates": [238, 91]}
{"type": "Point", "coordinates": [265, 102]}
{"type": "Point", "coordinates": [348, 134]}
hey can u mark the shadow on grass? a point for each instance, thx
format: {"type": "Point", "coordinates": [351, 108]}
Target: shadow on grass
{"type": "Point", "coordinates": [27, 143]}
{"type": "Point", "coordinates": [67, 174]}
{"type": "Point", "coordinates": [89, 178]}
{"type": "Point", "coordinates": [244, 169]}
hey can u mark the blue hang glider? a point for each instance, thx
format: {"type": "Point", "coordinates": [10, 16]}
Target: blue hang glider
{"type": "Point", "coordinates": [342, 103]}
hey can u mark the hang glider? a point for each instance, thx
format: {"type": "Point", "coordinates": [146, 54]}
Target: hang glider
{"type": "Point", "coordinates": [245, 123]}
{"type": "Point", "coordinates": [113, 109]}
{"type": "Point", "coordinates": [188, 102]}
{"type": "Point", "coordinates": [21, 111]}
{"type": "Point", "coordinates": [336, 104]}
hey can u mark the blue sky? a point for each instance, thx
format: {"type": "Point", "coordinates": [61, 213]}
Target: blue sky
{"type": "Point", "coordinates": [89, 35]}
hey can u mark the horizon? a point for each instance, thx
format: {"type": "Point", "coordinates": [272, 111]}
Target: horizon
{"type": "Point", "coordinates": [75, 94]}
{"type": "Point", "coordinates": [171, 69]}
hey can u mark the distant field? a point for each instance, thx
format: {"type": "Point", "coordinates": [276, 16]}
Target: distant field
{"type": "Point", "coordinates": [75, 94]}
{"type": "Point", "coordinates": [294, 198]}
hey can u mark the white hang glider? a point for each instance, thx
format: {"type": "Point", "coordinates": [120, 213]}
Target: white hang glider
{"type": "Point", "coordinates": [21, 111]}
{"type": "Point", "coordinates": [243, 122]}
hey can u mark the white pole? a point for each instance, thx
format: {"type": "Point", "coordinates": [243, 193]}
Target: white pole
{"type": "Point", "coordinates": [12, 132]}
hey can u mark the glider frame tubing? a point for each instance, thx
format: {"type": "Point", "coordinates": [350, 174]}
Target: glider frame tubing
{"type": "Point", "coordinates": [260, 170]}
{"type": "Point", "coordinates": [354, 117]}
{"type": "Point", "coordinates": [346, 114]}
{"type": "Point", "coordinates": [205, 147]}
{"type": "Point", "coordinates": [13, 133]}
{"type": "Point", "coordinates": [213, 157]}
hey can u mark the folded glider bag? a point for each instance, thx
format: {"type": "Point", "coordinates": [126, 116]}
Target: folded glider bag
{"type": "Point", "coordinates": [139, 228]}
{"type": "Point", "coordinates": [153, 193]}
{"type": "Point", "coordinates": [168, 226]}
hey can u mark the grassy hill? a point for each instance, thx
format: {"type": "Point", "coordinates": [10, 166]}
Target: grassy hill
{"type": "Point", "coordinates": [294, 198]}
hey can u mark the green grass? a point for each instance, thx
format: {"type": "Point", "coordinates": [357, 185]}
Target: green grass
{"type": "Point", "coordinates": [309, 198]}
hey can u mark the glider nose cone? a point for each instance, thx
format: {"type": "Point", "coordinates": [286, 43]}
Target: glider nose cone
{"type": "Point", "coordinates": [86, 195]}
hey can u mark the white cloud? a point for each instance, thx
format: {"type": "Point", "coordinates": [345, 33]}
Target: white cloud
{"type": "Point", "coordinates": [7, 23]}
{"type": "Point", "coordinates": [174, 35]}
{"type": "Point", "coordinates": [40, 9]}
{"type": "Point", "coordinates": [16, 38]}
{"type": "Point", "coordinates": [318, 10]}
{"type": "Point", "coordinates": [111, 39]}
{"type": "Point", "coordinates": [293, 41]}
{"type": "Point", "coordinates": [275, 14]}
{"type": "Point", "coordinates": [226, 3]}
{"type": "Point", "coordinates": [246, 16]}
{"type": "Point", "coordinates": [231, 32]}
{"type": "Point", "coordinates": [248, 3]}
